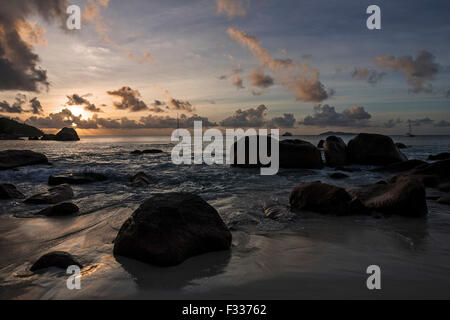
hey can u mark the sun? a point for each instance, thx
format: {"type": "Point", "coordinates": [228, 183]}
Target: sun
{"type": "Point", "coordinates": [78, 111]}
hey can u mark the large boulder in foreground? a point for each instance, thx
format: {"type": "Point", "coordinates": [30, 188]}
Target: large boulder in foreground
{"type": "Point", "coordinates": [10, 159]}
{"type": "Point", "coordinates": [293, 154]}
{"type": "Point", "coordinates": [404, 197]}
{"type": "Point", "coordinates": [67, 134]}
{"type": "Point", "coordinates": [431, 175]}
{"type": "Point", "coordinates": [53, 195]}
{"type": "Point", "coordinates": [57, 259]}
{"type": "Point", "coordinates": [169, 228]}
{"type": "Point", "coordinates": [76, 178]}
{"type": "Point", "coordinates": [321, 198]}
{"type": "Point", "coordinates": [374, 149]}
{"type": "Point", "coordinates": [9, 191]}
{"type": "Point", "coordinates": [335, 151]}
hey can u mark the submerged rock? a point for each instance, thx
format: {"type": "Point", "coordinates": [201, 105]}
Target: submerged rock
{"type": "Point", "coordinates": [400, 166]}
{"type": "Point", "coordinates": [10, 159]}
{"type": "Point", "coordinates": [335, 152]}
{"type": "Point", "coordinates": [67, 134]}
{"type": "Point", "coordinates": [169, 228]}
{"type": "Point", "coordinates": [444, 200]}
{"type": "Point", "coordinates": [140, 180]}
{"type": "Point", "coordinates": [49, 137]}
{"type": "Point", "coordinates": [338, 175]}
{"type": "Point", "coordinates": [59, 259]}
{"type": "Point", "coordinates": [76, 178]}
{"type": "Point", "coordinates": [152, 151]}
{"type": "Point", "coordinates": [293, 154]}
{"type": "Point", "coordinates": [432, 174]}
{"type": "Point", "coordinates": [60, 210]}
{"type": "Point", "coordinates": [440, 156]}
{"type": "Point", "coordinates": [274, 210]}
{"type": "Point", "coordinates": [374, 149]}
{"type": "Point", "coordinates": [321, 198]}
{"type": "Point", "coordinates": [9, 191]}
{"type": "Point", "coordinates": [54, 195]}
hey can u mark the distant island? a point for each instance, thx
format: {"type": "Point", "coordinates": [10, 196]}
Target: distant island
{"type": "Point", "coordinates": [337, 133]}
{"type": "Point", "coordinates": [11, 129]}
{"type": "Point", "coordinates": [287, 134]}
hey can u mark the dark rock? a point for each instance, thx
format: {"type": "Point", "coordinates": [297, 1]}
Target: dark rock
{"type": "Point", "coordinates": [400, 166]}
{"type": "Point", "coordinates": [338, 175]}
{"type": "Point", "coordinates": [9, 191]}
{"type": "Point", "coordinates": [140, 180]}
{"type": "Point", "coordinates": [76, 178]}
{"type": "Point", "coordinates": [287, 134]}
{"type": "Point", "coordinates": [60, 210]}
{"type": "Point", "coordinates": [136, 152]}
{"type": "Point", "coordinates": [400, 145]}
{"type": "Point", "coordinates": [431, 174]}
{"type": "Point", "coordinates": [67, 134]}
{"type": "Point", "coordinates": [10, 159]}
{"type": "Point", "coordinates": [440, 156]}
{"type": "Point", "coordinates": [57, 259]}
{"type": "Point", "coordinates": [17, 129]}
{"type": "Point", "coordinates": [169, 228]}
{"type": "Point", "coordinates": [444, 200]}
{"type": "Point", "coordinates": [374, 149]}
{"type": "Point", "coordinates": [320, 144]}
{"type": "Point", "coordinates": [381, 182]}
{"type": "Point", "coordinates": [445, 187]}
{"type": "Point", "coordinates": [321, 198]}
{"type": "Point", "coordinates": [152, 151]}
{"type": "Point", "coordinates": [335, 152]}
{"type": "Point", "coordinates": [405, 197]}
{"type": "Point", "coordinates": [293, 154]}
{"type": "Point", "coordinates": [33, 138]}
{"type": "Point", "coordinates": [274, 210]}
{"type": "Point", "coordinates": [54, 195]}
{"type": "Point", "coordinates": [48, 137]}
{"type": "Point", "coordinates": [346, 169]}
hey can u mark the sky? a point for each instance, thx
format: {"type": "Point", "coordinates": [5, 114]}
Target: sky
{"type": "Point", "coordinates": [301, 66]}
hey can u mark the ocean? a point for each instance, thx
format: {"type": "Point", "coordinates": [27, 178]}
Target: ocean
{"type": "Point", "coordinates": [307, 256]}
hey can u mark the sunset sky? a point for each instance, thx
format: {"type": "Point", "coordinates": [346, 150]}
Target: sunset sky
{"type": "Point", "coordinates": [302, 66]}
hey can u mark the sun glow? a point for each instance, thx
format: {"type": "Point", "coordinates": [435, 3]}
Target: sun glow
{"type": "Point", "coordinates": [78, 111]}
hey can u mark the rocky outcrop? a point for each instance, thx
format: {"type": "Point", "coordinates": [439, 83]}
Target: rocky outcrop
{"type": "Point", "coordinates": [9, 191]}
{"type": "Point", "coordinates": [321, 198]}
{"type": "Point", "coordinates": [140, 180]}
{"type": "Point", "coordinates": [67, 134]}
{"type": "Point", "coordinates": [320, 144]}
{"type": "Point", "coordinates": [58, 259]}
{"type": "Point", "coordinates": [374, 149]}
{"type": "Point", "coordinates": [48, 137]}
{"type": "Point", "coordinates": [17, 129]}
{"type": "Point", "coordinates": [400, 166]}
{"type": "Point", "coordinates": [335, 152]}
{"type": "Point", "coordinates": [10, 159]}
{"type": "Point", "coordinates": [76, 178]}
{"type": "Point", "coordinates": [169, 228]}
{"type": "Point", "coordinates": [293, 154]}
{"type": "Point", "coordinates": [148, 151]}
{"type": "Point", "coordinates": [431, 175]}
{"type": "Point", "coordinates": [60, 210]}
{"type": "Point", "coordinates": [338, 175]}
{"type": "Point", "coordinates": [400, 145]}
{"type": "Point", "coordinates": [53, 195]}
{"type": "Point", "coordinates": [404, 197]}
{"type": "Point", "coordinates": [440, 156]}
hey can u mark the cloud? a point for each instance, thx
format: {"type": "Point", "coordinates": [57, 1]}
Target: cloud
{"type": "Point", "coordinates": [418, 71]}
{"type": "Point", "coordinates": [19, 68]}
{"type": "Point", "coordinates": [146, 58]}
{"type": "Point", "coordinates": [77, 100]}
{"type": "Point", "coordinates": [231, 8]}
{"type": "Point", "coordinates": [157, 106]}
{"type": "Point", "coordinates": [61, 119]}
{"type": "Point", "coordinates": [238, 82]}
{"type": "Point", "coordinates": [442, 123]}
{"type": "Point", "coordinates": [326, 115]}
{"type": "Point", "coordinates": [36, 107]}
{"type": "Point", "coordinates": [298, 77]}
{"type": "Point", "coordinates": [259, 79]}
{"type": "Point", "coordinates": [130, 100]}
{"type": "Point", "coordinates": [391, 123]}
{"type": "Point", "coordinates": [256, 117]}
{"type": "Point", "coordinates": [176, 104]}
{"type": "Point", "coordinates": [17, 106]}
{"type": "Point", "coordinates": [369, 75]}
{"type": "Point", "coordinates": [422, 122]}
{"type": "Point", "coordinates": [32, 33]}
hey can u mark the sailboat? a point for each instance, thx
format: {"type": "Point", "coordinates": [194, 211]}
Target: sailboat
{"type": "Point", "coordinates": [409, 133]}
